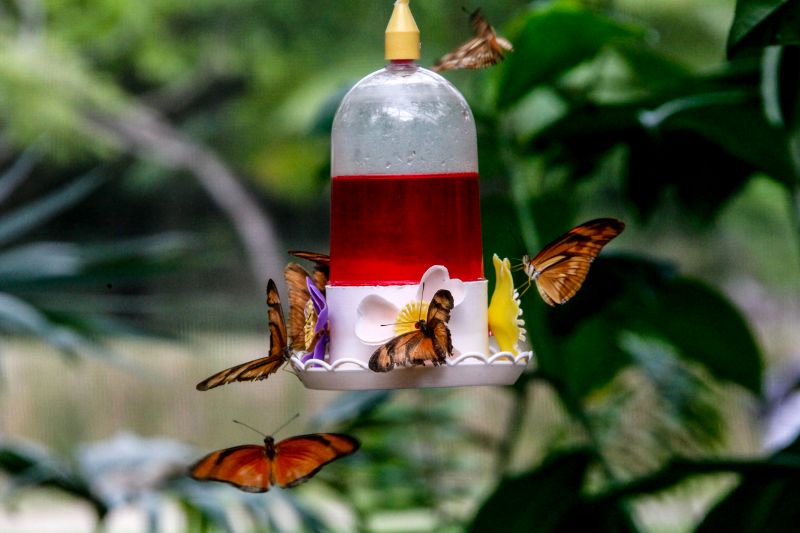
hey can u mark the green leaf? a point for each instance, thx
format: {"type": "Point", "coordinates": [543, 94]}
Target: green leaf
{"type": "Point", "coordinates": [592, 356]}
{"type": "Point", "coordinates": [706, 328]}
{"type": "Point", "coordinates": [32, 215]}
{"type": "Point", "coordinates": [780, 86]}
{"type": "Point", "coordinates": [27, 464]}
{"type": "Point", "coordinates": [551, 41]}
{"type": "Point", "coordinates": [549, 498]}
{"type": "Point", "coordinates": [44, 265]}
{"type": "Point", "coordinates": [18, 316]}
{"type": "Point", "coordinates": [19, 171]}
{"type": "Point", "coordinates": [631, 294]}
{"type": "Point", "coordinates": [679, 470]}
{"type": "Point", "coordinates": [732, 120]}
{"type": "Point", "coordinates": [767, 499]}
{"type": "Point", "coordinates": [760, 23]}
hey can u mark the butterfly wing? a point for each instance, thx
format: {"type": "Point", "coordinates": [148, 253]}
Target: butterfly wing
{"type": "Point", "coordinates": [483, 50]}
{"type": "Point", "coordinates": [482, 28]}
{"type": "Point", "coordinates": [322, 267]}
{"type": "Point", "coordinates": [254, 370]}
{"type": "Point", "coordinates": [396, 351]}
{"type": "Point", "coordinates": [561, 281]}
{"type": "Point", "coordinates": [261, 368]}
{"type": "Point", "coordinates": [440, 306]}
{"type": "Point", "coordinates": [246, 467]}
{"type": "Point", "coordinates": [561, 267]}
{"type": "Point", "coordinates": [298, 296]}
{"type": "Point", "coordinates": [299, 458]}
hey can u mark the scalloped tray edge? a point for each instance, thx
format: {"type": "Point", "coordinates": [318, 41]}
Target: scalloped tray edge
{"type": "Point", "coordinates": [468, 369]}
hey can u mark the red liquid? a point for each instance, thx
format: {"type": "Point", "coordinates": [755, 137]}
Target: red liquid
{"type": "Point", "coordinates": [388, 230]}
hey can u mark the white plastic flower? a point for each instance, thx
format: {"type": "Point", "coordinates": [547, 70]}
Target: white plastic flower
{"type": "Point", "coordinates": [379, 320]}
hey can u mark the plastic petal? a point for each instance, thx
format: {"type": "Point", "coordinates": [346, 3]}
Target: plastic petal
{"type": "Point", "coordinates": [436, 278]}
{"type": "Point", "coordinates": [504, 310]}
{"type": "Point", "coordinates": [376, 318]}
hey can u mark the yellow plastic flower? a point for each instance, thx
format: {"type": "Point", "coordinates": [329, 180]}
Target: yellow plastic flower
{"type": "Point", "coordinates": [504, 309]}
{"type": "Point", "coordinates": [409, 315]}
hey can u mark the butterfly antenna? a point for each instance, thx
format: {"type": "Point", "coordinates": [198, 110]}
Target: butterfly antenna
{"type": "Point", "coordinates": [398, 323]}
{"type": "Point", "coordinates": [286, 423]}
{"type": "Point", "coordinates": [250, 427]}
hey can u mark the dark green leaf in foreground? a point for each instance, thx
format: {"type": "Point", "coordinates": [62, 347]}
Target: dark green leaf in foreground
{"type": "Point", "coordinates": [765, 500]}
{"type": "Point", "coordinates": [30, 216]}
{"type": "Point", "coordinates": [28, 465]}
{"type": "Point", "coordinates": [547, 499]}
{"type": "Point", "coordinates": [706, 328]}
{"type": "Point", "coordinates": [626, 294]}
{"type": "Point", "coordinates": [759, 23]}
{"type": "Point", "coordinates": [551, 41]}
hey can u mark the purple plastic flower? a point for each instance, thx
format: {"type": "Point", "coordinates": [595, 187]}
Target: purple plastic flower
{"type": "Point", "coordinates": [321, 327]}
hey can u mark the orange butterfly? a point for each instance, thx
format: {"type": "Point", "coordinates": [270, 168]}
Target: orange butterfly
{"type": "Point", "coordinates": [483, 50]}
{"type": "Point", "coordinates": [261, 368]}
{"type": "Point", "coordinates": [561, 267]}
{"type": "Point", "coordinates": [299, 296]}
{"type": "Point", "coordinates": [429, 342]}
{"type": "Point", "coordinates": [290, 462]}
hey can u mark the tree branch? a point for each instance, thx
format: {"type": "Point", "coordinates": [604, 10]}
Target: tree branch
{"type": "Point", "coordinates": [144, 132]}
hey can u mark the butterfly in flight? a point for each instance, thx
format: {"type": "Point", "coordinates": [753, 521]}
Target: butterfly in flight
{"type": "Point", "coordinates": [485, 49]}
{"type": "Point", "coordinates": [288, 463]}
{"type": "Point", "coordinates": [299, 296]}
{"type": "Point", "coordinates": [261, 368]}
{"type": "Point", "coordinates": [561, 267]}
{"type": "Point", "coordinates": [430, 340]}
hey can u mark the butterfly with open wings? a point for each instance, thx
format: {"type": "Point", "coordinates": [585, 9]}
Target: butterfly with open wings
{"type": "Point", "coordinates": [430, 342]}
{"type": "Point", "coordinates": [288, 463]}
{"type": "Point", "coordinates": [485, 49]}
{"type": "Point", "coordinates": [262, 367]}
{"type": "Point", "coordinates": [561, 267]}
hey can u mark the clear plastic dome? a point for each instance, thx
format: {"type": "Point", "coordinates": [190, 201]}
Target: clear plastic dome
{"type": "Point", "coordinates": [403, 119]}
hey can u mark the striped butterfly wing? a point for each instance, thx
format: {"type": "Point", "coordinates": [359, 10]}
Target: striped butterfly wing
{"type": "Point", "coordinates": [254, 370]}
{"type": "Point", "coordinates": [261, 368]}
{"type": "Point", "coordinates": [299, 458]}
{"type": "Point", "coordinates": [483, 50]}
{"type": "Point", "coordinates": [322, 267]}
{"type": "Point", "coordinates": [430, 343]}
{"type": "Point", "coordinates": [245, 467]}
{"type": "Point", "coordinates": [561, 267]}
{"type": "Point", "coordinates": [441, 305]}
{"type": "Point", "coordinates": [298, 297]}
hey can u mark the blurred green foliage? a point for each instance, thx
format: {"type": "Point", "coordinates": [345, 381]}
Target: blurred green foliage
{"type": "Point", "coordinates": [619, 108]}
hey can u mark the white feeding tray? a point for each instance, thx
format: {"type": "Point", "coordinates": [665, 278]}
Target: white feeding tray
{"type": "Point", "coordinates": [472, 368]}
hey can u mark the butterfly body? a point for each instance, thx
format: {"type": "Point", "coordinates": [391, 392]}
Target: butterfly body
{"type": "Point", "coordinates": [561, 267]}
{"type": "Point", "coordinates": [430, 342]}
{"type": "Point", "coordinates": [288, 463]}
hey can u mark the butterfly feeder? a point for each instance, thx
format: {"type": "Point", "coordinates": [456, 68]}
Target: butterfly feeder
{"type": "Point", "coordinates": [407, 302]}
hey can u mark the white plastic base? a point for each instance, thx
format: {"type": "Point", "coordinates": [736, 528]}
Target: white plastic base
{"type": "Point", "coordinates": [472, 368]}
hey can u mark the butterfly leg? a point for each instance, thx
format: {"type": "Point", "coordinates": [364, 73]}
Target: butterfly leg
{"type": "Point", "coordinates": [525, 286]}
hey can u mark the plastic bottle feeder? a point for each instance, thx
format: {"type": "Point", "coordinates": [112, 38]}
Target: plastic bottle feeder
{"type": "Point", "coordinates": [405, 223]}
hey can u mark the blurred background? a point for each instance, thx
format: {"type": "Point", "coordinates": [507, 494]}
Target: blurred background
{"type": "Point", "coordinates": [157, 159]}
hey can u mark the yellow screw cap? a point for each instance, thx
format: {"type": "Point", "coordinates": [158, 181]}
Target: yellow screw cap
{"type": "Point", "coordinates": [402, 34]}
